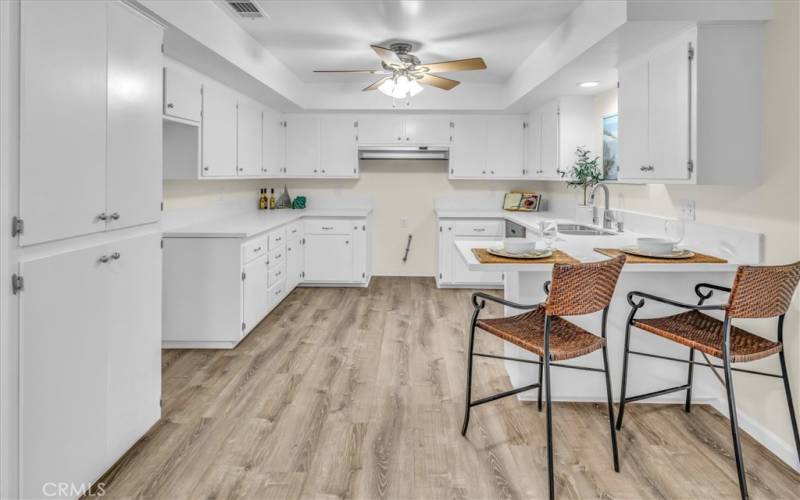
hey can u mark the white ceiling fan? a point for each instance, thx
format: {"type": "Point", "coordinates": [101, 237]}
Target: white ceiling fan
{"type": "Point", "coordinates": [405, 74]}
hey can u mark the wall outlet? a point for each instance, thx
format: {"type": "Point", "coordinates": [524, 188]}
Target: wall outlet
{"type": "Point", "coordinates": [686, 210]}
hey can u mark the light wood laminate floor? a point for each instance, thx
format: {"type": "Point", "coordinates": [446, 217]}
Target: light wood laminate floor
{"type": "Point", "coordinates": [358, 393]}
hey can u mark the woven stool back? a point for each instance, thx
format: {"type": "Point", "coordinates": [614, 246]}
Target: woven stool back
{"type": "Point", "coordinates": [763, 291]}
{"type": "Point", "coordinates": [583, 288]}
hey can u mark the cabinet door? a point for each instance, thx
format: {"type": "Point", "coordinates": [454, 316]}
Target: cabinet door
{"type": "Point", "coordinates": [360, 257]}
{"type": "Point", "coordinates": [63, 370]}
{"type": "Point", "coordinates": [329, 258]}
{"type": "Point", "coordinates": [668, 99]}
{"type": "Point", "coordinates": [248, 138]}
{"type": "Point", "coordinates": [338, 147]}
{"type": "Point", "coordinates": [505, 148]}
{"type": "Point", "coordinates": [273, 142]}
{"type": "Point", "coordinates": [219, 132]}
{"type": "Point", "coordinates": [134, 174]}
{"type": "Point", "coordinates": [468, 154]}
{"type": "Point", "coordinates": [434, 131]}
{"type": "Point", "coordinates": [62, 185]}
{"type": "Point", "coordinates": [133, 330]}
{"type": "Point", "coordinates": [294, 263]}
{"type": "Point", "coordinates": [633, 121]}
{"type": "Point", "coordinates": [446, 251]}
{"type": "Point", "coordinates": [380, 129]}
{"type": "Point", "coordinates": [182, 97]}
{"type": "Point", "coordinates": [255, 297]}
{"type": "Point", "coordinates": [533, 158]}
{"type": "Point", "coordinates": [302, 146]}
{"type": "Point", "coordinates": [549, 155]}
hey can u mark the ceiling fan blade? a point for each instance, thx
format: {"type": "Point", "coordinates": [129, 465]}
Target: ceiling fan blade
{"type": "Point", "coordinates": [388, 56]}
{"type": "Point", "coordinates": [375, 85]}
{"type": "Point", "coordinates": [438, 81]}
{"type": "Point", "coordinates": [459, 65]}
{"type": "Point", "coordinates": [363, 71]}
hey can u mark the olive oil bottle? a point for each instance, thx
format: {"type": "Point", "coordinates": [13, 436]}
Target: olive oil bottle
{"type": "Point", "coordinates": [272, 198]}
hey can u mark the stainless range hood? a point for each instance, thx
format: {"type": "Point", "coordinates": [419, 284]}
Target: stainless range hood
{"type": "Point", "coordinates": [403, 153]}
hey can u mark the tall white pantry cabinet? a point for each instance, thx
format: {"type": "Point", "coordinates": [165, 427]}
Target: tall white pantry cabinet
{"type": "Point", "coordinates": [87, 279]}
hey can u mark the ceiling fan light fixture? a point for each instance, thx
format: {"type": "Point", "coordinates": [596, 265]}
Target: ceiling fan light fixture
{"type": "Point", "coordinates": [400, 87]}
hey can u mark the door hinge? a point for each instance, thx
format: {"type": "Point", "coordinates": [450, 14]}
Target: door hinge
{"type": "Point", "coordinates": [244, 325]}
{"type": "Point", "coordinates": [162, 243]}
{"type": "Point", "coordinates": [355, 124]}
{"type": "Point", "coordinates": [364, 227]}
{"type": "Point", "coordinates": [690, 166]}
{"type": "Point", "coordinates": [162, 48]}
{"type": "Point", "coordinates": [354, 171]}
{"type": "Point", "coordinates": [244, 275]}
{"type": "Point", "coordinates": [17, 226]}
{"type": "Point", "coordinates": [690, 52]}
{"type": "Point", "coordinates": [162, 206]}
{"type": "Point", "coordinates": [363, 275]}
{"type": "Point", "coordinates": [440, 275]}
{"type": "Point", "coordinates": [452, 124]}
{"type": "Point", "coordinates": [524, 124]}
{"type": "Point", "coordinates": [440, 229]}
{"type": "Point", "coordinates": [17, 283]}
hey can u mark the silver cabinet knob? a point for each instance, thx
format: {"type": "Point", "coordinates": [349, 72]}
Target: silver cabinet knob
{"type": "Point", "coordinates": [114, 216]}
{"type": "Point", "coordinates": [492, 172]}
{"type": "Point", "coordinates": [399, 138]}
{"type": "Point", "coordinates": [102, 216]}
{"type": "Point", "coordinates": [205, 168]}
{"type": "Point", "coordinates": [241, 169]}
{"type": "Point", "coordinates": [323, 170]}
{"type": "Point", "coordinates": [408, 138]}
{"type": "Point", "coordinates": [103, 259]}
{"type": "Point", "coordinates": [484, 172]}
{"type": "Point", "coordinates": [315, 170]}
{"type": "Point", "coordinates": [115, 256]}
{"type": "Point", "coordinates": [170, 105]}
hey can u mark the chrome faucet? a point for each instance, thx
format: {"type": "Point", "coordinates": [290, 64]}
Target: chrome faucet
{"type": "Point", "coordinates": [608, 216]}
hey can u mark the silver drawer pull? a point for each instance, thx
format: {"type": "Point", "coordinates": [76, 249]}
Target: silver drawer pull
{"type": "Point", "coordinates": [278, 274]}
{"type": "Point", "coordinates": [278, 292]}
{"type": "Point", "coordinates": [278, 238]}
{"type": "Point", "coordinates": [647, 168]}
{"type": "Point", "coordinates": [326, 228]}
{"type": "Point", "coordinates": [257, 249]}
{"type": "Point", "coordinates": [279, 256]}
{"type": "Point", "coordinates": [479, 229]}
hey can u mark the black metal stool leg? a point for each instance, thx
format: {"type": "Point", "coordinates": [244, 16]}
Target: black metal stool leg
{"type": "Point", "coordinates": [614, 450]}
{"type": "Point", "coordinates": [737, 446]}
{"type": "Point", "coordinates": [551, 483]}
{"type": "Point", "coordinates": [789, 401]}
{"type": "Point", "coordinates": [688, 406]}
{"type": "Point", "coordinates": [468, 396]}
{"type": "Point", "coordinates": [624, 372]}
{"type": "Point", "coordinates": [541, 367]}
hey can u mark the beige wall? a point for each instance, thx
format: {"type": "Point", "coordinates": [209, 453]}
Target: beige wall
{"type": "Point", "coordinates": [407, 189]}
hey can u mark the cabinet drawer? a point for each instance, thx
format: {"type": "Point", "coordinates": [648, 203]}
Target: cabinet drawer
{"type": "Point", "coordinates": [480, 228]}
{"type": "Point", "coordinates": [277, 238]}
{"type": "Point", "coordinates": [254, 249]}
{"type": "Point", "coordinates": [329, 227]}
{"type": "Point", "coordinates": [294, 230]}
{"type": "Point", "coordinates": [277, 256]}
{"type": "Point", "coordinates": [276, 275]}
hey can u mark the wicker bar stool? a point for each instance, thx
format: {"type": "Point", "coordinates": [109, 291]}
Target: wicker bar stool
{"type": "Point", "coordinates": [757, 292]}
{"type": "Point", "coordinates": [576, 290]}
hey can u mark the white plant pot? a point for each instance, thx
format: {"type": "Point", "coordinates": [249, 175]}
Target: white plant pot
{"type": "Point", "coordinates": [584, 214]}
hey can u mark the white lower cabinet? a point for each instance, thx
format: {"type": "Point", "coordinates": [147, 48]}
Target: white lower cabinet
{"type": "Point", "coordinates": [336, 251]}
{"type": "Point", "coordinates": [452, 269]}
{"type": "Point", "coordinates": [295, 262]}
{"type": "Point", "coordinates": [90, 368]}
{"type": "Point", "coordinates": [255, 299]}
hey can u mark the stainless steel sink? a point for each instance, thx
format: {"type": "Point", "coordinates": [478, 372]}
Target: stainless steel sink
{"type": "Point", "coordinates": [581, 230]}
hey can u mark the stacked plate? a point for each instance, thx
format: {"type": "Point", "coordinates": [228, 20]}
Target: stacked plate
{"type": "Point", "coordinates": [657, 248]}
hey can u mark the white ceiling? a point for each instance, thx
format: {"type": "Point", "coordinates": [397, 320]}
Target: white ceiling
{"type": "Point", "coordinates": [324, 34]}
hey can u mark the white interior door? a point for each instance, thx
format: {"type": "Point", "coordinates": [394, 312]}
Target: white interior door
{"type": "Point", "coordinates": [219, 132]}
{"type": "Point", "coordinates": [634, 121]}
{"type": "Point", "coordinates": [256, 296]}
{"type": "Point", "coordinates": [62, 185]}
{"type": "Point", "coordinates": [63, 370]}
{"type": "Point", "coordinates": [377, 129]}
{"type": "Point", "coordinates": [133, 330]}
{"type": "Point", "coordinates": [669, 112]}
{"type": "Point", "coordinates": [273, 142]}
{"type": "Point", "coordinates": [134, 174]}
{"type": "Point", "coordinates": [338, 147]}
{"type": "Point", "coordinates": [505, 147]}
{"type": "Point", "coordinates": [329, 258]}
{"type": "Point", "coordinates": [427, 130]}
{"type": "Point", "coordinates": [302, 146]}
{"type": "Point", "coordinates": [549, 153]}
{"type": "Point", "coordinates": [249, 138]}
{"type": "Point", "coordinates": [468, 154]}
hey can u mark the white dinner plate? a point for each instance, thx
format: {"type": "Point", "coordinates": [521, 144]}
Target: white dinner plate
{"type": "Point", "coordinates": [678, 253]}
{"type": "Point", "coordinates": [535, 254]}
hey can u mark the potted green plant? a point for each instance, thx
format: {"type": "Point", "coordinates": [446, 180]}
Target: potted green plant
{"type": "Point", "coordinates": [583, 174]}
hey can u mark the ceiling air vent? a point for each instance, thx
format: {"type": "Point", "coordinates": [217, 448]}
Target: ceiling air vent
{"type": "Point", "coordinates": [246, 8]}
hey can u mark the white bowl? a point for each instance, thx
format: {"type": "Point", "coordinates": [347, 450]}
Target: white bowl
{"type": "Point", "coordinates": [655, 246]}
{"type": "Point", "coordinates": [518, 245]}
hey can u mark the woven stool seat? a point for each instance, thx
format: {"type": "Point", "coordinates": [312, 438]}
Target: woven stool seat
{"type": "Point", "coordinates": [704, 333]}
{"type": "Point", "coordinates": [567, 340]}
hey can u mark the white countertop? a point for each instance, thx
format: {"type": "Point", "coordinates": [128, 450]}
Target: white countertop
{"type": "Point", "coordinates": [251, 224]}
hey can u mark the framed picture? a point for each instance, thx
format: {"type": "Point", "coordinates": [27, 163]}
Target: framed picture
{"type": "Point", "coordinates": [610, 165]}
{"type": "Point", "coordinates": [525, 202]}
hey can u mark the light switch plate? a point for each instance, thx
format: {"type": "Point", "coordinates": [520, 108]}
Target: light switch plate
{"type": "Point", "coordinates": [686, 210]}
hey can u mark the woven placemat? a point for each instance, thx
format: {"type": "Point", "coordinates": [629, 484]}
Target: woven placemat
{"type": "Point", "coordinates": [697, 258]}
{"type": "Point", "coordinates": [558, 257]}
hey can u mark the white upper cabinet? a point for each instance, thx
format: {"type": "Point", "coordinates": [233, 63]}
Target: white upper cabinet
{"type": "Point", "coordinates": [302, 145]}
{"type": "Point", "coordinates": [219, 131]}
{"type": "Point", "coordinates": [182, 94]}
{"type": "Point", "coordinates": [468, 154]}
{"type": "Point", "coordinates": [381, 129]}
{"type": "Point", "coordinates": [533, 157]}
{"type": "Point", "coordinates": [435, 131]}
{"type": "Point", "coordinates": [249, 139]}
{"type": "Point", "coordinates": [505, 148]}
{"type": "Point", "coordinates": [338, 146]}
{"type": "Point", "coordinates": [134, 119]}
{"type": "Point", "coordinates": [273, 144]}
{"type": "Point", "coordinates": [633, 108]}
{"type": "Point", "coordinates": [90, 126]}
{"type": "Point", "coordinates": [557, 128]}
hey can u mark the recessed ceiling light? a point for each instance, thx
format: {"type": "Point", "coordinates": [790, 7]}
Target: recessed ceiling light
{"type": "Point", "coordinates": [588, 85]}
